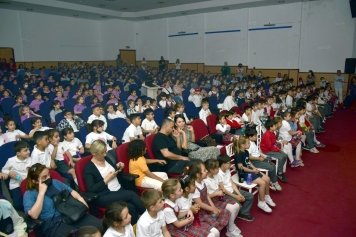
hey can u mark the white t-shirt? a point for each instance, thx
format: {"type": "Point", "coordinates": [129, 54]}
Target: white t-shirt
{"type": "Point", "coordinates": [101, 117]}
{"type": "Point", "coordinates": [212, 184]}
{"type": "Point", "coordinates": [225, 178]}
{"type": "Point", "coordinates": [42, 129]}
{"type": "Point", "coordinates": [149, 125]}
{"type": "Point", "coordinates": [222, 127]}
{"type": "Point", "coordinates": [131, 131]}
{"type": "Point", "coordinates": [196, 99]}
{"type": "Point", "coordinates": [253, 150]}
{"type": "Point", "coordinates": [245, 117]}
{"type": "Point", "coordinates": [283, 131]}
{"type": "Point", "coordinates": [113, 233]}
{"type": "Point", "coordinates": [169, 214]}
{"type": "Point", "coordinates": [42, 157]}
{"type": "Point", "coordinates": [289, 101]}
{"type": "Point", "coordinates": [203, 114]}
{"type": "Point", "coordinates": [184, 203]}
{"type": "Point", "coordinates": [255, 117]}
{"type": "Point", "coordinates": [19, 166]}
{"type": "Point", "coordinates": [150, 227]}
{"type": "Point", "coordinates": [91, 137]}
{"type": "Point", "coordinates": [11, 136]}
{"type": "Point", "coordinates": [113, 116]}
{"type": "Point", "coordinates": [137, 109]}
{"type": "Point", "coordinates": [113, 184]}
{"type": "Point", "coordinates": [196, 194]}
{"type": "Point", "coordinates": [62, 148]}
{"type": "Point", "coordinates": [73, 146]}
{"type": "Point", "coordinates": [309, 107]}
{"type": "Point", "coordinates": [121, 115]}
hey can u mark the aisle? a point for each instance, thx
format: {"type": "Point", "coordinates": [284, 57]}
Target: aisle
{"type": "Point", "coordinates": [319, 198]}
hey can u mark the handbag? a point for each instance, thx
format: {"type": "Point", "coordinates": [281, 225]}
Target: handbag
{"type": "Point", "coordinates": [210, 140]}
{"type": "Point", "coordinates": [70, 208]}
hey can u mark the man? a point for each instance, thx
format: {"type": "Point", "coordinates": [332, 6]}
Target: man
{"type": "Point", "coordinates": [119, 62]}
{"type": "Point", "coordinates": [165, 148]}
{"type": "Point", "coordinates": [162, 64]}
{"type": "Point", "coordinates": [338, 84]}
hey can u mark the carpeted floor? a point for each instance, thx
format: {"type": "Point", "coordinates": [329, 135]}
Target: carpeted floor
{"type": "Point", "coordinates": [319, 198]}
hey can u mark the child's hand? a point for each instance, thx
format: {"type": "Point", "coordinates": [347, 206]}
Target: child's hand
{"type": "Point", "coordinates": [53, 165]}
{"type": "Point", "coordinates": [195, 208]}
{"type": "Point", "coordinates": [219, 193]}
{"type": "Point", "coordinates": [285, 142]}
{"type": "Point", "coordinates": [12, 174]}
{"type": "Point", "coordinates": [161, 162]}
{"type": "Point", "coordinates": [240, 198]}
{"type": "Point", "coordinates": [71, 163]}
{"type": "Point", "coordinates": [216, 212]}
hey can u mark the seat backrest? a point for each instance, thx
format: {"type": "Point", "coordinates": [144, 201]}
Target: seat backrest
{"type": "Point", "coordinates": [54, 175]}
{"type": "Point", "coordinates": [7, 104]}
{"type": "Point", "coordinates": [83, 132]}
{"type": "Point", "coordinates": [200, 129]}
{"type": "Point", "coordinates": [121, 156]}
{"type": "Point", "coordinates": [45, 109]}
{"type": "Point", "coordinates": [213, 102]}
{"type": "Point", "coordinates": [87, 101]}
{"type": "Point", "coordinates": [86, 113]}
{"type": "Point", "coordinates": [237, 110]}
{"type": "Point", "coordinates": [69, 104]}
{"type": "Point", "coordinates": [211, 120]}
{"type": "Point", "coordinates": [243, 106]}
{"type": "Point", "coordinates": [6, 152]}
{"type": "Point", "coordinates": [159, 116]}
{"type": "Point", "coordinates": [118, 127]}
{"type": "Point", "coordinates": [191, 110]}
{"type": "Point", "coordinates": [59, 117]}
{"type": "Point", "coordinates": [15, 114]}
{"type": "Point", "coordinates": [79, 171]}
{"type": "Point", "coordinates": [148, 144]}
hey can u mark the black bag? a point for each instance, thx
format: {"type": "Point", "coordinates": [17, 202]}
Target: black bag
{"type": "Point", "coordinates": [70, 208]}
{"type": "Point", "coordinates": [210, 140]}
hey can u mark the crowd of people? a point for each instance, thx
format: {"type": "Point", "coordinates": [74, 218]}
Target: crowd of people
{"type": "Point", "coordinates": [264, 119]}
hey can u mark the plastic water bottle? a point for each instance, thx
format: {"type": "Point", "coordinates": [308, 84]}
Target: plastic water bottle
{"type": "Point", "coordinates": [242, 130]}
{"type": "Point", "coordinates": [249, 179]}
{"type": "Point", "coordinates": [214, 217]}
{"type": "Point", "coordinates": [79, 155]}
{"type": "Point", "coordinates": [18, 177]}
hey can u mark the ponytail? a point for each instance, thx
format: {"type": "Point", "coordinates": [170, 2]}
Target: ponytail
{"type": "Point", "coordinates": [237, 143]}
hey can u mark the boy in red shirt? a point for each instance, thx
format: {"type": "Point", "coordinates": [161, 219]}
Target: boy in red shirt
{"type": "Point", "coordinates": [233, 123]}
{"type": "Point", "coordinates": [269, 146]}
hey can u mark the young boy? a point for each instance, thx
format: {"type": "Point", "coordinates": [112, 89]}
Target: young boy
{"type": "Point", "coordinates": [261, 161]}
{"type": "Point", "coordinates": [171, 113]}
{"type": "Point", "coordinates": [40, 153]}
{"type": "Point", "coordinates": [195, 97]}
{"type": "Point", "coordinates": [73, 144]}
{"type": "Point", "coordinates": [313, 118]}
{"type": "Point", "coordinates": [37, 125]}
{"type": "Point", "coordinates": [35, 104]}
{"type": "Point", "coordinates": [269, 147]}
{"type": "Point", "coordinates": [247, 116]}
{"type": "Point", "coordinates": [97, 115]}
{"type": "Point", "coordinates": [289, 99]}
{"type": "Point", "coordinates": [148, 125]}
{"type": "Point", "coordinates": [152, 222]}
{"type": "Point", "coordinates": [255, 114]}
{"type": "Point", "coordinates": [16, 167]}
{"type": "Point", "coordinates": [230, 189]}
{"type": "Point", "coordinates": [134, 130]}
{"type": "Point", "coordinates": [205, 111]}
{"type": "Point", "coordinates": [70, 121]}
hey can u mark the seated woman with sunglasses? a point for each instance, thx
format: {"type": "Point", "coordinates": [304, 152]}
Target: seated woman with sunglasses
{"type": "Point", "coordinates": [187, 139]}
{"type": "Point", "coordinates": [38, 203]}
{"type": "Point", "coordinates": [102, 177]}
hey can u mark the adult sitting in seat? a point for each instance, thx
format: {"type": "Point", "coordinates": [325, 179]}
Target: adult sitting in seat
{"type": "Point", "coordinates": [102, 178]}
{"type": "Point", "coordinates": [229, 101]}
{"type": "Point", "coordinates": [187, 139]}
{"type": "Point", "coordinates": [165, 148]}
{"type": "Point", "coordinates": [38, 203]}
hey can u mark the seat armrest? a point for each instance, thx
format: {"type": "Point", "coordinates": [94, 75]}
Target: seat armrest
{"type": "Point", "coordinates": [34, 225]}
{"type": "Point", "coordinates": [217, 137]}
{"type": "Point", "coordinates": [89, 197]}
{"type": "Point", "coordinates": [201, 143]}
{"type": "Point", "coordinates": [129, 177]}
{"type": "Point", "coordinates": [128, 181]}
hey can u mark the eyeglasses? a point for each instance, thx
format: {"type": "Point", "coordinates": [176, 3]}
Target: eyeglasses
{"type": "Point", "coordinates": [34, 167]}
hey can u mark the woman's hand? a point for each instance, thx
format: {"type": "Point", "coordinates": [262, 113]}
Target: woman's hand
{"type": "Point", "coordinates": [3, 176]}
{"type": "Point", "coordinates": [120, 166]}
{"type": "Point", "coordinates": [42, 187]}
{"type": "Point", "coordinates": [190, 128]}
{"type": "Point", "coordinates": [110, 176]}
{"type": "Point", "coordinates": [175, 134]}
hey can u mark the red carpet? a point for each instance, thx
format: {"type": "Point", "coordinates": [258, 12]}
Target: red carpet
{"type": "Point", "coordinates": [319, 198]}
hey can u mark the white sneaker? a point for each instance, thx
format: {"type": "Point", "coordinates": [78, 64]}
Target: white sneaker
{"type": "Point", "coordinates": [235, 228]}
{"type": "Point", "coordinates": [314, 150]}
{"type": "Point", "coordinates": [276, 186]}
{"type": "Point", "coordinates": [269, 201]}
{"type": "Point", "coordinates": [234, 233]}
{"type": "Point", "coordinates": [264, 207]}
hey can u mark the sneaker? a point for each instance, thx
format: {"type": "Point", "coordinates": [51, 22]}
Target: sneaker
{"type": "Point", "coordinates": [306, 148]}
{"type": "Point", "coordinates": [282, 177]}
{"type": "Point", "coordinates": [272, 187]}
{"type": "Point", "coordinates": [235, 228]}
{"type": "Point", "coordinates": [294, 164]}
{"type": "Point", "coordinates": [245, 217]}
{"type": "Point", "coordinates": [269, 201]}
{"type": "Point", "coordinates": [234, 233]}
{"type": "Point", "coordinates": [276, 186]}
{"type": "Point", "coordinates": [264, 207]}
{"type": "Point", "coordinates": [320, 144]}
{"type": "Point", "coordinates": [314, 150]}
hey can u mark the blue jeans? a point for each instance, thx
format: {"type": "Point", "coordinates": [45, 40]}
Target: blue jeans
{"type": "Point", "coordinates": [17, 199]}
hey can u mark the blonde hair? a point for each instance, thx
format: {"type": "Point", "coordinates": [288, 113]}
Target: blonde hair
{"type": "Point", "coordinates": [22, 108]}
{"type": "Point", "coordinates": [237, 143]}
{"type": "Point", "coordinates": [169, 186]}
{"type": "Point", "coordinates": [97, 147]}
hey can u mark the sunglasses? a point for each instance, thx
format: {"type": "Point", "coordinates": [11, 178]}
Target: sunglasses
{"type": "Point", "coordinates": [34, 167]}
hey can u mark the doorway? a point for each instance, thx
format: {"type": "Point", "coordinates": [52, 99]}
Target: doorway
{"type": "Point", "coordinates": [128, 56]}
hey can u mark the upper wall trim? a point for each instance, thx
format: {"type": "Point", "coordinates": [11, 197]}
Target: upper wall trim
{"type": "Point", "coordinates": [222, 31]}
{"type": "Point", "coordinates": [195, 33]}
{"type": "Point", "coordinates": [270, 28]}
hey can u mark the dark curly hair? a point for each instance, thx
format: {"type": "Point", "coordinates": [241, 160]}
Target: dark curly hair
{"type": "Point", "coordinates": [136, 149]}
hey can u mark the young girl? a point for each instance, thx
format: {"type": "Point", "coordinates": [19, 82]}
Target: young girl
{"type": "Point", "coordinates": [5, 94]}
{"type": "Point", "coordinates": [94, 101]}
{"type": "Point", "coordinates": [86, 231]}
{"type": "Point", "coordinates": [26, 113]}
{"type": "Point", "coordinates": [116, 220]}
{"type": "Point", "coordinates": [74, 145]}
{"type": "Point", "coordinates": [285, 131]}
{"type": "Point", "coordinates": [120, 111]}
{"type": "Point", "coordinates": [112, 99]}
{"type": "Point", "coordinates": [224, 128]}
{"type": "Point", "coordinates": [147, 104]}
{"type": "Point", "coordinates": [180, 110]}
{"type": "Point", "coordinates": [13, 134]}
{"type": "Point", "coordinates": [163, 100]}
{"type": "Point", "coordinates": [97, 86]}
{"type": "Point", "coordinates": [132, 96]}
{"type": "Point", "coordinates": [60, 98]}
{"type": "Point", "coordinates": [18, 100]}
{"type": "Point", "coordinates": [131, 107]}
{"type": "Point", "coordinates": [293, 122]}
{"type": "Point", "coordinates": [79, 106]}
{"type": "Point", "coordinates": [56, 109]}
{"type": "Point", "coordinates": [138, 166]}
{"type": "Point", "coordinates": [99, 95]}
{"type": "Point", "coordinates": [23, 94]}
{"type": "Point", "coordinates": [139, 107]}
{"type": "Point", "coordinates": [111, 112]}
{"type": "Point", "coordinates": [216, 194]}
{"type": "Point", "coordinates": [153, 105]}
{"type": "Point", "coordinates": [60, 154]}
{"type": "Point", "coordinates": [35, 104]}
{"type": "Point", "coordinates": [242, 162]}
{"type": "Point", "coordinates": [117, 91]}
{"type": "Point", "coordinates": [170, 102]}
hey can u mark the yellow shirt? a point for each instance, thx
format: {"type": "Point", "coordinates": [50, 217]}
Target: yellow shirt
{"type": "Point", "coordinates": [138, 167]}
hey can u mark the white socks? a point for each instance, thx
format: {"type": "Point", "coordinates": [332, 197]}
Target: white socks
{"type": "Point", "coordinates": [234, 210]}
{"type": "Point", "coordinates": [214, 233]}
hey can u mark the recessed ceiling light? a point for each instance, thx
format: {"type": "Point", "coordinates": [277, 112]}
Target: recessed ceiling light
{"type": "Point", "coordinates": [146, 18]}
{"type": "Point", "coordinates": [75, 15]}
{"type": "Point", "coordinates": [29, 9]}
{"type": "Point", "coordinates": [160, 2]}
{"type": "Point", "coordinates": [225, 8]}
{"type": "Point", "coordinates": [103, 17]}
{"type": "Point", "coordinates": [124, 8]}
{"type": "Point", "coordinates": [102, 5]}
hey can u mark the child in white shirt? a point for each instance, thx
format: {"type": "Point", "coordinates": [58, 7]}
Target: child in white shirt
{"type": "Point", "coordinates": [111, 112]}
{"type": "Point", "coordinates": [97, 109]}
{"type": "Point", "coordinates": [14, 134]}
{"type": "Point", "coordinates": [74, 145]}
{"type": "Point", "coordinates": [40, 153]}
{"type": "Point", "coordinates": [111, 226]}
{"type": "Point", "coordinates": [205, 111]}
{"type": "Point", "coordinates": [148, 125]}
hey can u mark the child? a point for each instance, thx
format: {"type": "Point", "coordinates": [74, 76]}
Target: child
{"type": "Point", "coordinates": [229, 188]}
{"type": "Point", "coordinates": [97, 133]}
{"type": "Point", "coordinates": [16, 167]}
{"type": "Point", "coordinates": [170, 101]}
{"type": "Point", "coordinates": [171, 113]}
{"type": "Point", "coordinates": [236, 117]}
{"type": "Point", "coordinates": [261, 161]}
{"type": "Point", "coordinates": [70, 121]}
{"type": "Point", "coordinates": [268, 108]}
{"type": "Point", "coordinates": [19, 101]}
{"type": "Point", "coordinates": [131, 107]}
{"type": "Point", "coordinates": [270, 147]}
{"type": "Point", "coordinates": [132, 95]}
{"type": "Point", "coordinates": [247, 116]}
{"type": "Point", "coordinates": [152, 222]}
{"type": "Point", "coordinates": [96, 110]}
{"type": "Point", "coordinates": [13, 134]}
{"type": "Point", "coordinates": [153, 103]}
{"type": "Point", "coordinates": [56, 109]}
{"type": "Point", "coordinates": [111, 112]}
{"type": "Point", "coordinates": [214, 92]}
{"type": "Point", "coordinates": [243, 163]}
{"type": "Point", "coordinates": [180, 110]}
{"type": "Point", "coordinates": [148, 125]}
{"type": "Point", "coordinates": [138, 166]}
{"type": "Point", "coordinates": [216, 193]}
{"type": "Point", "coordinates": [60, 154]}
{"type": "Point", "coordinates": [116, 220]}
{"type": "Point", "coordinates": [134, 130]}
{"type": "Point", "coordinates": [112, 99]}
{"type": "Point", "coordinates": [232, 123]}
{"type": "Point", "coordinates": [37, 125]}
{"type": "Point", "coordinates": [195, 97]}
{"type": "Point", "coordinates": [286, 133]}
{"type": "Point", "coordinates": [35, 104]}
{"type": "Point", "coordinates": [205, 111]}
{"type": "Point", "coordinates": [94, 101]}
{"type": "Point", "coordinates": [117, 91]}
{"type": "Point", "coordinates": [60, 98]}
{"type": "Point", "coordinates": [222, 126]}
{"type": "Point", "coordinates": [5, 94]}
{"type": "Point", "coordinates": [147, 104]}
{"type": "Point", "coordinates": [3, 138]}
{"type": "Point", "coordinates": [289, 99]}
{"type": "Point", "coordinates": [79, 106]}
{"type": "Point", "coordinates": [40, 153]}
{"type": "Point", "coordinates": [163, 100]}
{"type": "Point", "coordinates": [121, 111]}
{"type": "Point", "coordinates": [139, 108]}
{"type": "Point", "coordinates": [74, 145]}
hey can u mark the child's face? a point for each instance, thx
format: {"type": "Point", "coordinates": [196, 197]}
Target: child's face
{"type": "Point", "coordinates": [11, 126]}
{"type": "Point", "coordinates": [132, 104]}
{"type": "Point", "coordinates": [59, 94]}
{"type": "Point", "coordinates": [222, 120]}
{"type": "Point", "coordinates": [81, 100]}
{"type": "Point", "coordinates": [172, 114]}
{"type": "Point", "coordinates": [279, 124]}
{"type": "Point", "coordinates": [139, 102]}
{"type": "Point", "coordinates": [69, 136]}
{"type": "Point", "coordinates": [158, 206]}
{"type": "Point", "coordinates": [248, 112]}
{"type": "Point", "coordinates": [206, 106]}
{"type": "Point", "coordinates": [133, 93]}
{"type": "Point", "coordinates": [111, 109]}
{"type": "Point", "coordinates": [69, 115]}
{"type": "Point", "coordinates": [44, 141]}
{"type": "Point", "coordinates": [57, 106]}
{"type": "Point", "coordinates": [287, 118]}
{"type": "Point", "coordinates": [136, 121]}
{"type": "Point", "coordinates": [247, 144]}
{"type": "Point", "coordinates": [253, 138]}
{"type": "Point", "coordinates": [204, 172]}
{"type": "Point", "coordinates": [25, 110]}
{"type": "Point", "coordinates": [55, 139]}
{"type": "Point", "coordinates": [150, 116]}
{"type": "Point", "coordinates": [126, 217]}
{"type": "Point", "coordinates": [24, 153]}
{"type": "Point", "coordinates": [97, 111]}
{"type": "Point", "coordinates": [192, 187]}
{"type": "Point", "coordinates": [214, 171]}
{"type": "Point", "coordinates": [120, 107]}
{"type": "Point", "coordinates": [178, 192]}
{"type": "Point", "coordinates": [181, 109]}
{"type": "Point", "coordinates": [38, 123]}
{"type": "Point", "coordinates": [6, 94]}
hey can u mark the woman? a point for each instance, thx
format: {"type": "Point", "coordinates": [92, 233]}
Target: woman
{"type": "Point", "coordinates": [38, 203]}
{"type": "Point", "coordinates": [167, 88]}
{"type": "Point", "coordinates": [187, 139]}
{"type": "Point", "coordinates": [177, 64]}
{"type": "Point", "coordinates": [11, 223]}
{"type": "Point", "coordinates": [310, 77]}
{"type": "Point", "coordinates": [225, 70]}
{"type": "Point", "coordinates": [102, 177]}
{"type": "Point", "coordinates": [229, 101]}
{"type": "Point", "coordinates": [352, 93]}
